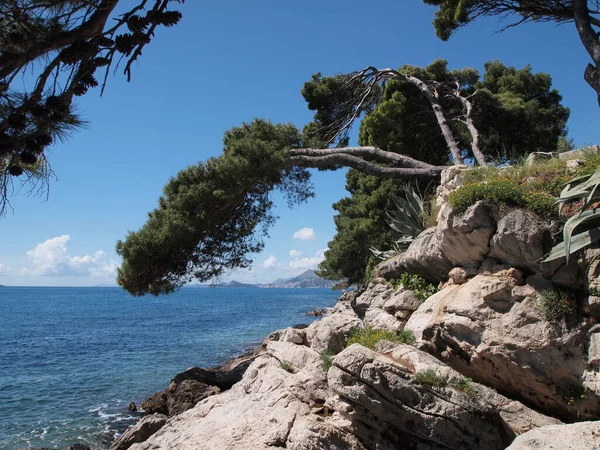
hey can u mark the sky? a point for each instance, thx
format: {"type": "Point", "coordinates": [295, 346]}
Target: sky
{"type": "Point", "coordinates": [227, 62]}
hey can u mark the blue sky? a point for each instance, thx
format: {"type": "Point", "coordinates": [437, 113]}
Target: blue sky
{"type": "Point", "coordinates": [228, 62]}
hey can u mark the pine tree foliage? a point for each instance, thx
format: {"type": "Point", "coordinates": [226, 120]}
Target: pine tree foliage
{"type": "Point", "coordinates": [214, 215]}
{"type": "Point", "coordinates": [51, 52]}
{"type": "Point", "coordinates": [583, 14]}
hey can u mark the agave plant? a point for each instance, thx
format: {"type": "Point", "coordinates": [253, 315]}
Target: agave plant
{"type": "Point", "coordinates": [406, 218]}
{"type": "Point", "coordinates": [584, 189]}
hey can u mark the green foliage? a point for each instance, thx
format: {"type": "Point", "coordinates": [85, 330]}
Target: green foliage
{"type": "Point", "coordinates": [287, 366]}
{"type": "Point", "coordinates": [369, 337]}
{"type": "Point", "coordinates": [422, 288]}
{"type": "Point", "coordinates": [516, 110]}
{"type": "Point", "coordinates": [360, 225]}
{"type": "Point", "coordinates": [464, 385]}
{"type": "Point", "coordinates": [326, 360]}
{"type": "Point", "coordinates": [406, 218]}
{"type": "Point", "coordinates": [594, 291]}
{"type": "Point", "coordinates": [430, 378]}
{"type": "Point", "coordinates": [505, 192]}
{"type": "Point", "coordinates": [214, 214]}
{"type": "Point", "coordinates": [584, 190]}
{"type": "Point", "coordinates": [65, 47]}
{"type": "Point", "coordinates": [555, 305]}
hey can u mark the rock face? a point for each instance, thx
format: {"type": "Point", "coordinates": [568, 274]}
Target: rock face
{"type": "Point", "coordinates": [195, 384]}
{"type": "Point", "coordinates": [140, 431]}
{"type": "Point", "coordinates": [366, 400]}
{"type": "Point", "coordinates": [489, 329]}
{"type": "Point", "coordinates": [576, 436]}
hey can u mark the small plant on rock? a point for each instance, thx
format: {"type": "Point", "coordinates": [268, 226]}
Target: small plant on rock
{"type": "Point", "coordinates": [287, 366]}
{"type": "Point", "coordinates": [430, 378]}
{"type": "Point", "coordinates": [555, 305]}
{"type": "Point", "coordinates": [464, 385]}
{"type": "Point", "coordinates": [326, 360]}
{"type": "Point", "coordinates": [422, 288]}
{"type": "Point", "coordinates": [369, 337]}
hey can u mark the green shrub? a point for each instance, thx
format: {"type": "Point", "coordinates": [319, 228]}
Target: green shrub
{"type": "Point", "coordinates": [369, 337]}
{"type": "Point", "coordinates": [506, 192]}
{"type": "Point", "coordinates": [525, 186]}
{"type": "Point", "coordinates": [326, 360]}
{"type": "Point", "coordinates": [555, 305]}
{"type": "Point", "coordinates": [287, 366]}
{"type": "Point", "coordinates": [430, 378]}
{"type": "Point", "coordinates": [422, 288]}
{"type": "Point", "coordinates": [464, 385]}
{"type": "Point", "coordinates": [594, 291]}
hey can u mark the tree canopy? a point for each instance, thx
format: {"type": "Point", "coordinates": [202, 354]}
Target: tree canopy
{"type": "Point", "coordinates": [214, 215]}
{"type": "Point", "coordinates": [52, 51]}
{"type": "Point", "coordinates": [515, 111]}
{"type": "Point", "coordinates": [584, 14]}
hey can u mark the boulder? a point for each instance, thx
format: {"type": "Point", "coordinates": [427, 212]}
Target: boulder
{"type": "Point", "coordinates": [374, 296]}
{"type": "Point", "coordinates": [489, 332]}
{"type": "Point", "coordinates": [402, 304]}
{"type": "Point", "coordinates": [378, 318]}
{"type": "Point", "coordinates": [424, 257]}
{"type": "Point", "coordinates": [195, 384]}
{"type": "Point", "coordinates": [140, 431]}
{"type": "Point", "coordinates": [575, 436]}
{"type": "Point", "coordinates": [330, 332]}
{"type": "Point", "coordinates": [465, 239]}
{"type": "Point", "coordinates": [540, 156]}
{"type": "Point", "coordinates": [261, 411]}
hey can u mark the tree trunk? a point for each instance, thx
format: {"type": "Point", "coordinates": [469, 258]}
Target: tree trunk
{"type": "Point", "coordinates": [590, 40]}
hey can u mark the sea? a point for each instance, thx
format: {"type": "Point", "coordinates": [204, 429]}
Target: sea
{"type": "Point", "coordinates": [72, 359]}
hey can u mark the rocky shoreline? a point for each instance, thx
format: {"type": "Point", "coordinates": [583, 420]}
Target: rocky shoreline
{"type": "Point", "coordinates": [482, 365]}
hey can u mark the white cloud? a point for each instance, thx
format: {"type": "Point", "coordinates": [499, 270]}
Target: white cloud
{"type": "Point", "coordinates": [295, 253]}
{"type": "Point", "coordinates": [51, 258]}
{"type": "Point", "coordinates": [307, 263]}
{"type": "Point", "coordinates": [270, 262]}
{"type": "Point", "coordinates": [305, 234]}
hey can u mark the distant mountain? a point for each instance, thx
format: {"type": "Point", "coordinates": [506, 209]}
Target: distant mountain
{"type": "Point", "coordinates": [308, 279]}
{"type": "Point", "coordinates": [281, 280]}
{"type": "Point", "coordinates": [236, 284]}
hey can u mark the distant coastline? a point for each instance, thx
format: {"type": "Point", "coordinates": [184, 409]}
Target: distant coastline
{"type": "Point", "coordinates": [307, 279]}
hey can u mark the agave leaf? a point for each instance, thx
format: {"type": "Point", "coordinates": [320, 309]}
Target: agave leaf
{"type": "Point", "coordinates": [574, 222]}
{"type": "Point", "coordinates": [577, 243]}
{"type": "Point", "coordinates": [573, 184]}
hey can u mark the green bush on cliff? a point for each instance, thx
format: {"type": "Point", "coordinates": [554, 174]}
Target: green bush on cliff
{"type": "Point", "coordinates": [369, 337]}
{"type": "Point", "coordinates": [533, 187]}
{"type": "Point", "coordinates": [555, 305]}
{"type": "Point", "coordinates": [326, 360]}
{"type": "Point", "coordinates": [430, 378]}
{"type": "Point", "coordinates": [422, 288]}
{"type": "Point", "coordinates": [506, 192]}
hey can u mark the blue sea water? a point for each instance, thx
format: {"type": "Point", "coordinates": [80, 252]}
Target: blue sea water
{"type": "Point", "coordinates": [72, 359]}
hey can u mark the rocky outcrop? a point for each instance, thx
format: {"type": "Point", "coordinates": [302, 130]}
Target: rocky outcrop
{"type": "Point", "coordinates": [486, 368]}
{"type": "Point", "coordinates": [366, 400]}
{"type": "Point", "coordinates": [576, 436]}
{"type": "Point", "coordinates": [490, 329]}
{"type": "Point", "coordinates": [195, 384]}
{"type": "Point", "coordinates": [140, 431]}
